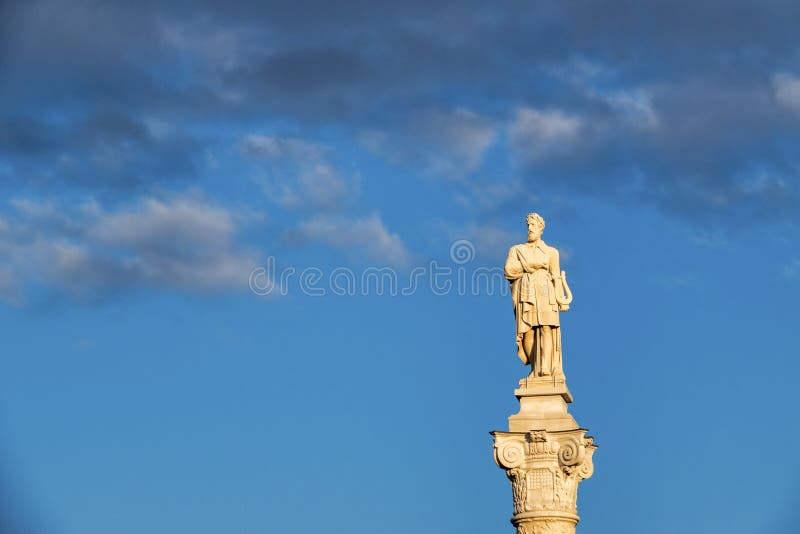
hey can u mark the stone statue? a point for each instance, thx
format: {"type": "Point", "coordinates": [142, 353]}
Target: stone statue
{"type": "Point", "coordinates": [545, 453]}
{"type": "Point", "coordinates": [539, 290]}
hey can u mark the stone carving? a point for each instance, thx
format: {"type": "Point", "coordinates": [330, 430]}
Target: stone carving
{"type": "Point", "coordinates": [571, 452]}
{"type": "Point", "coordinates": [544, 475]}
{"type": "Point", "coordinates": [539, 290]}
{"type": "Point", "coordinates": [539, 445]}
{"type": "Point", "coordinates": [519, 488]}
{"type": "Point", "coordinates": [565, 491]}
{"type": "Point", "coordinates": [586, 469]}
{"type": "Point", "coordinates": [509, 454]}
{"type": "Point", "coordinates": [537, 436]}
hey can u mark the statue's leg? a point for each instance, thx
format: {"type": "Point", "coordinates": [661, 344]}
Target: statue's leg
{"type": "Point", "coordinates": [558, 362]}
{"type": "Point", "coordinates": [547, 350]}
{"type": "Point", "coordinates": [529, 347]}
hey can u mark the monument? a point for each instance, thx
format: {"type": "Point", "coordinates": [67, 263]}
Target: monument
{"type": "Point", "coordinates": [545, 453]}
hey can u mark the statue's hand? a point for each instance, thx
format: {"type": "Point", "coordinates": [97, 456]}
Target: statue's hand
{"type": "Point", "coordinates": [563, 307]}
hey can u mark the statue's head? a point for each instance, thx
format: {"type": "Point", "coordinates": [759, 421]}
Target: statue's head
{"type": "Point", "coordinates": [535, 226]}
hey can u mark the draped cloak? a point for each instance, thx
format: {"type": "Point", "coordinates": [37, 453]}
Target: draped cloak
{"type": "Point", "coordinates": [528, 269]}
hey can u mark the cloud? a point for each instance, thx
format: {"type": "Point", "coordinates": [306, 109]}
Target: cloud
{"type": "Point", "coordinates": [364, 238]}
{"type": "Point", "coordinates": [791, 270]}
{"type": "Point", "coordinates": [310, 70]}
{"type": "Point", "coordinates": [103, 151]}
{"type": "Point", "coordinates": [787, 90]}
{"type": "Point", "coordinates": [298, 174]}
{"type": "Point", "coordinates": [669, 105]}
{"type": "Point", "coordinates": [180, 242]}
{"type": "Point", "coordinates": [272, 148]}
{"type": "Point", "coordinates": [696, 151]}
{"type": "Point", "coordinates": [491, 241]}
{"type": "Point", "coordinates": [635, 108]}
{"type": "Point", "coordinates": [443, 144]}
{"type": "Point", "coordinates": [542, 134]}
{"type": "Point", "coordinates": [709, 239]}
{"type": "Point", "coordinates": [489, 195]}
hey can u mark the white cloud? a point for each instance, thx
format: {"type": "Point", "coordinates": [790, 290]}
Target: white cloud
{"type": "Point", "coordinates": [541, 134]}
{"type": "Point", "coordinates": [760, 181]}
{"type": "Point", "coordinates": [490, 196]}
{"type": "Point", "coordinates": [445, 144]}
{"type": "Point", "coordinates": [582, 72]}
{"type": "Point", "coordinates": [162, 224]}
{"type": "Point", "coordinates": [180, 242]}
{"type": "Point", "coordinates": [792, 269]}
{"type": "Point", "coordinates": [635, 108]}
{"type": "Point", "coordinates": [365, 237]}
{"type": "Point", "coordinates": [787, 90]}
{"type": "Point", "coordinates": [709, 239]}
{"type": "Point", "coordinates": [273, 148]}
{"type": "Point", "coordinates": [298, 174]}
{"type": "Point", "coordinates": [631, 106]}
{"type": "Point", "coordinates": [491, 242]}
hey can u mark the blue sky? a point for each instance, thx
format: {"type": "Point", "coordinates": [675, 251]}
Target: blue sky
{"type": "Point", "coordinates": [153, 154]}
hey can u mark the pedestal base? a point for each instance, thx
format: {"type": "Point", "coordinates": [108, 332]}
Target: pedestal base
{"type": "Point", "coordinates": [545, 455]}
{"type": "Point", "coordinates": [542, 406]}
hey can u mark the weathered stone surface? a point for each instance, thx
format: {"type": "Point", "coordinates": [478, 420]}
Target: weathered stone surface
{"type": "Point", "coordinates": [545, 468]}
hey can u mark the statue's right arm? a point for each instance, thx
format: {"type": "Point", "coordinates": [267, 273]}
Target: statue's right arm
{"type": "Point", "coordinates": [513, 268]}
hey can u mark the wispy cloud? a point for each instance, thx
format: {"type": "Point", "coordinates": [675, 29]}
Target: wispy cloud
{"type": "Point", "coordinates": [179, 242]}
{"type": "Point", "coordinates": [709, 238]}
{"type": "Point", "coordinates": [490, 196]}
{"type": "Point", "coordinates": [634, 108]}
{"type": "Point", "coordinates": [787, 90]}
{"type": "Point", "coordinates": [361, 238]}
{"type": "Point", "coordinates": [541, 134]}
{"type": "Point", "coordinates": [299, 174]}
{"type": "Point", "coordinates": [447, 145]}
{"type": "Point", "coordinates": [791, 270]}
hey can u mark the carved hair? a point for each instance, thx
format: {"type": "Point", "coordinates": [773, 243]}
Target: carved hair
{"type": "Point", "coordinates": [535, 218]}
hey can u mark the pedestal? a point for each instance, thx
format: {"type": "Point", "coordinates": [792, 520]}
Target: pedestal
{"type": "Point", "coordinates": [546, 455]}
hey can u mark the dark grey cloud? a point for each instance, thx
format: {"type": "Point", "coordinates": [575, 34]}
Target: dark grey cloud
{"type": "Point", "coordinates": [104, 151]}
{"type": "Point", "coordinates": [687, 105]}
{"type": "Point", "coordinates": [120, 50]}
{"type": "Point", "coordinates": [304, 71]}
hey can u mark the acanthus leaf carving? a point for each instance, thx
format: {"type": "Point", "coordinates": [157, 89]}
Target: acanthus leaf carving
{"type": "Point", "coordinates": [519, 488]}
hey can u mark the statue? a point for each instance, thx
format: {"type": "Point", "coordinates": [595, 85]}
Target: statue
{"type": "Point", "coordinates": [545, 453]}
{"type": "Point", "coordinates": [539, 290]}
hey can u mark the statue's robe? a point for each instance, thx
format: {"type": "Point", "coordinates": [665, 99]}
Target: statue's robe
{"type": "Point", "coordinates": [530, 270]}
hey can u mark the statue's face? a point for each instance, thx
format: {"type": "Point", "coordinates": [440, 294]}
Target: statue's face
{"type": "Point", "coordinates": [534, 231]}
